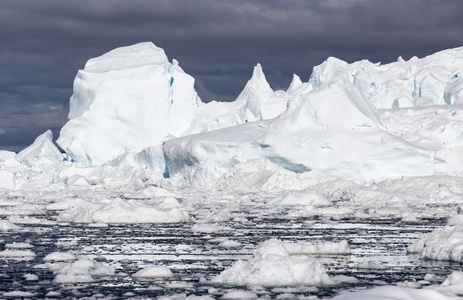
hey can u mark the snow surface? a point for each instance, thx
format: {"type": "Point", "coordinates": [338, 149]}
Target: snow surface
{"type": "Point", "coordinates": [321, 248]}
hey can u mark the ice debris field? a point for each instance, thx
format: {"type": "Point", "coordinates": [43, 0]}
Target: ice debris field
{"type": "Point", "coordinates": [348, 186]}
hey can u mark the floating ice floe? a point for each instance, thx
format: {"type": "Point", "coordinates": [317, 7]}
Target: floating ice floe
{"type": "Point", "coordinates": [185, 297]}
{"type": "Point", "coordinates": [19, 294]}
{"type": "Point", "coordinates": [60, 256]}
{"type": "Point", "coordinates": [29, 220]}
{"type": "Point", "coordinates": [209, 228]}
{"type": "Point", "coordinates": [15, 245]}
{"type": "Point", "coordinates": [17, 254]}
{"type": "Point", "coordinates": [153, 192]}
{"type": "Point", "coordinates": [81, 270]}
{"type": "Point", "coordinates": [442, 244]}
{"type": "Point", "coordinates": [229, 244]}
{"type": "Point", "coordinates": [339, 248]}
{"type": "Point", "coordinates": [300, 198]}
{"type": "Point", "coordinates": [7, 225]}
{"type": "Point", "coordinates": [154, 272]}
{"type": "Point", "coordinates": [239, 294]}
{"type": "Point", "coordinates": [396, 293]}
{"type": "Point", "coordinates": [31, 277]}
{"type": "Point", "coordinates": [272, 264]}
{"type": "Point", "coordinates": [117, 211]}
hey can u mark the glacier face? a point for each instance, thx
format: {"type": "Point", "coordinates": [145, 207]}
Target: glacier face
{"type": "Point", "coordinates": [131, 97]}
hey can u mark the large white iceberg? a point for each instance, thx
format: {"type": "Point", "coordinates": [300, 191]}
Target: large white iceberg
{"type": "Point", "coordinates": [139, 117]}
{"type": "Point", "coordinates": [334, 128]}
{"type": "Point", "coordinates": [130, 97]}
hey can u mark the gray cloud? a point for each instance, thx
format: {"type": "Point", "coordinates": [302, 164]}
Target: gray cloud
{"type": "Point", "coordinates": [44, 43]}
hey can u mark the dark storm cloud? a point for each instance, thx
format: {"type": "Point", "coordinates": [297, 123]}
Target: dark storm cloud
{"type": "Point", "coordinates": [44, 43]}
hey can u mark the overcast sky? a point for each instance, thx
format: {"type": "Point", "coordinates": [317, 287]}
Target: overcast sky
{"type": "Point", "coordinates": [44, 43]}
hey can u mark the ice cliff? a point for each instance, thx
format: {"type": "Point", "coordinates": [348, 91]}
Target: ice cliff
{"type": "Point", "coordinates": [130, 97]}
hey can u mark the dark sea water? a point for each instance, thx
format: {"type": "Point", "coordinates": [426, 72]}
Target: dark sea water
{"type": "Point", "coordinates": [378, 256]}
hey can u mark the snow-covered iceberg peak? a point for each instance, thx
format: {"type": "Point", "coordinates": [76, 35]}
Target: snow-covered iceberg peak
{"type": "Point", "coordinates": [255, 92]}
{"type": "Point", "coordinates": [296, 82]}
{"type": "Point", "coordinates": [42, 155]}
{"type": "Point", "coordinates": [137, 55]}
{"type": "Point", "coordinates": [432, 80]}
{"type": "Point", "coordinates": [129, 98]}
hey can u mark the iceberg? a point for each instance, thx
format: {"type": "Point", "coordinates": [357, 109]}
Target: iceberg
{"type": "Point", "coordinates": [442, 244]}
{"type": "Point", "coordinates": [130, 97]}
{"type": "Point", "coordinates": [131, 107]}
{"type": "Point", "coordinates": [154, 272]}
{"type": "Point", "coordinates": [333, 128]}
{"type": "Point", "coordinates": [401, 84]}
{"type": "Point", "coordinates": [272, 265]}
